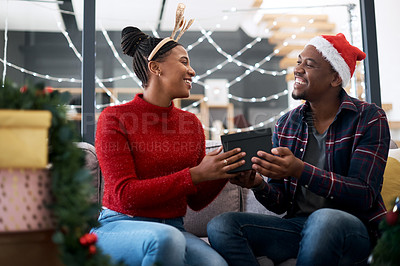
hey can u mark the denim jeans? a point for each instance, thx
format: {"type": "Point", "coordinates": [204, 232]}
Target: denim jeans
{"type": "Point", "coordinates": [326, 237]}
{"type": "Point", "coordinates": [151, 241]}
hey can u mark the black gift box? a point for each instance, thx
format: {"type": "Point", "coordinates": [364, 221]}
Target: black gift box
{"type": "Point", "coordinates": [249, 142]}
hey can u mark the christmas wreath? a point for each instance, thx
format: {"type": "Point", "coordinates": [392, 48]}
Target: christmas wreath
{"type": "Point", "coordinates": [72, 186]}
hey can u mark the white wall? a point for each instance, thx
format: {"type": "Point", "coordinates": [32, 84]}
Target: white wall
{"type": "Point", "coordinates": [388, 35]}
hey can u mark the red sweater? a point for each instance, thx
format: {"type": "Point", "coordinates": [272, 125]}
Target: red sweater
{"type": "Point", "coordinates": [145, 152]}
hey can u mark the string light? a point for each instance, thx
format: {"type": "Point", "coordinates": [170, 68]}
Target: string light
{"type": "Point", "coordinates": [38, 75]}
{"type": "Point", "coordinates": [264, 123]}
{"type": "Point", "coordinates": [119, 59]}
{"type": "Point", "coordinates": [72, 46]}
{"type": "Point", "coordinates": [206, 35]}
{"type": "Point", "coordinates": [58, 79]}
{"type": "Point", "coordinates": [5, 46]}
{"type": "Point", "coordinates": [262, 99]}
{"type": "Point", "coordinates": [232, 58]}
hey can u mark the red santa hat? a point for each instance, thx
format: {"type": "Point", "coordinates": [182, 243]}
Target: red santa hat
{"type": "Point", "coordinates": [339, 53]}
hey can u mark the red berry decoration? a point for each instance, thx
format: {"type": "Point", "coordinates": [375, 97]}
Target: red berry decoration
{"type": "Point", "coordinates": [83, 241]}
{"type": "Point", "coordinates": [92, 249]}
{"type": "Point", "coordinates": [48, 89]}
{"type": "Point", "coordinates": [92, 238]}
{"type": "Point", "coordinates": [88, 239]}
{"type": "Point", "coordinates": [392, 217]}
{"type": "Point", "coordinates": [23, 89]}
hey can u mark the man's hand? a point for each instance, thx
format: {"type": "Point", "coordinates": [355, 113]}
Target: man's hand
{"type": "Point", "coordinates": [247, 179]}
{"type": "Point", "coordinates": [280, 164]}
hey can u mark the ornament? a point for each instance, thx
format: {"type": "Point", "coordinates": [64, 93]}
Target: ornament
{"type": "Point", "coordinates": [392, 217]}
{"type": "Point", "coordinates": [88, 239]}
{"type": "Point", "coordinates": [23, 89]}
{"type": "Point", "coordinates": [92, 249]}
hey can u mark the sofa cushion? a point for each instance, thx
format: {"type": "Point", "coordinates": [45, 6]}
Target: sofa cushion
{"type": "Point", "coordinates": [92, 165]}
{"type": "Point", "coordinates": [228, 200]}
{"type": "Point", "coordinates": [391, 178]}
{"type": "Point", "coordinates": [251, 204]}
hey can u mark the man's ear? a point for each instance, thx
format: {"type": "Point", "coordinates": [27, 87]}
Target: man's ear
{"type": "Point", "coordinates": [154, 67]}
{"type": "Point", "coordinates": [337, 80]}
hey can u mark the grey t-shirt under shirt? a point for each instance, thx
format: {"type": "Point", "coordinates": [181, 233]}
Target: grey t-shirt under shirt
{"type": "Point", "coordinates": [306, 201]}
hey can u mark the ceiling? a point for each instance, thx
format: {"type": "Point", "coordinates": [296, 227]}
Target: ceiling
{"type": "Point", "coordinates": [44, 15]}
{"type": "Point", "coordinates": [278, 21]}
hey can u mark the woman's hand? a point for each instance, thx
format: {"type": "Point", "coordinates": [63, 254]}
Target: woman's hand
{"type": "Point", "coordinates": [215, 165]}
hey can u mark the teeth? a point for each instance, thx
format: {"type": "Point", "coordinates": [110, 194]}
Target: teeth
{"type": "Point", "coordinates": [299, 81]}
{"type": "Point", "coordinates": [188, 81]}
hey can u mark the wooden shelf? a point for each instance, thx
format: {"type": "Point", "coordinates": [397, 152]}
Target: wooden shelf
{"type": "Point", "coordinates": [303, 18]}
{"type": "Point", "coordinates": [387, 107]}
{"type": "Point", "coordinates": [394, 124]}
{"type": "Point", "coordinates": [281, 36]}
{"type": "Point", "coordinates": [78, 116]}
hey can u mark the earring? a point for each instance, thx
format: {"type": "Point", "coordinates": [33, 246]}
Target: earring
{"type": "Point", "coordinates": [159, 74]}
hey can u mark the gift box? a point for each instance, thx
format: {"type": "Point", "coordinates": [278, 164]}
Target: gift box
{"type": "Point", "coordinates": [249, 142]}
{"type": "Point", "coordinates": [25, 198]}
{"type": "Point", "coordinates": [29, 248]}
{"type": "Point", "coordinates": [24, 138]}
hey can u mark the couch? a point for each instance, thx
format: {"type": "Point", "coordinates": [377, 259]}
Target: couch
{"type": "Point", "coordinates": [232, 198]}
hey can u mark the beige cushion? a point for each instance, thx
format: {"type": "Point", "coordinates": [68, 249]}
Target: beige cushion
{"type": "Point", "coordinates": [391, 178]}
{"type": "Point", "coordinates": [227, 201]}
{"type": "Point", "coordinates": [92, 165]}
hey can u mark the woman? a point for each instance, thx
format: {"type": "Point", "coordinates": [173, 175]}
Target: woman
{"type": "Point", "coordinates": [152, 156]}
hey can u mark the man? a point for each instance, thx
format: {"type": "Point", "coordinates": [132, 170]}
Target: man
{"type": "Point", "coordinates": [325, 171]}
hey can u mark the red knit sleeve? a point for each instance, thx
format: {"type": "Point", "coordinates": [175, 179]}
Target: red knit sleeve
{"type": "Point", "coordinates": [124, 191]}
{"type": "Point", "coordinates": [206, 191]}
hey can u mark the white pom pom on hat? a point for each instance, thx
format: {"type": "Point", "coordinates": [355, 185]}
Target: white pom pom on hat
{"type": "Point", "coordinates": [339, 53]}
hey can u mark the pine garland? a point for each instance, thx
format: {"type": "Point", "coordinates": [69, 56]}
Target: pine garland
{"type": "Point", "coordinates": [387, 250]}
{"type": "Point", "coordinates": [72, 185]}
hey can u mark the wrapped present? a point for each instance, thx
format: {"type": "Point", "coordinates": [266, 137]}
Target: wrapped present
{"type": "Point", "coordinates": [29, 248]}
{"type": "Point", "coordinates": [24, 138]}
{"type": "Point", "coordinates": [25, 197]}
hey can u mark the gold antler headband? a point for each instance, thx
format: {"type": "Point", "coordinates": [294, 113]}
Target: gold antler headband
{"type": "Point", "coordinates": [180, 24]}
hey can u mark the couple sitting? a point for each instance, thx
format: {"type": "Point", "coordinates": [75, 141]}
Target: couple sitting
{"type": "Point", "coordinates": [325, 170]}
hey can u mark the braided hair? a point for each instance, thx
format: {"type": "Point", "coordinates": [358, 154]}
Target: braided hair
{"type": "Point", "coordinates": [139, 45]}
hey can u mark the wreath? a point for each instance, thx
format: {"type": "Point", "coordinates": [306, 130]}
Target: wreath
{"type": "Point", "coordinates": [72, 186]}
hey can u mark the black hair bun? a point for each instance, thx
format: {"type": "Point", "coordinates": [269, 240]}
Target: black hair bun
{"type": "Point", "coordinates": [130, 39]}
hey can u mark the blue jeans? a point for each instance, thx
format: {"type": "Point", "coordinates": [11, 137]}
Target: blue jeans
{"type": "Point", "coordinates": [150, 241]}
{"type": "Point", "coordinates": [326, 237]}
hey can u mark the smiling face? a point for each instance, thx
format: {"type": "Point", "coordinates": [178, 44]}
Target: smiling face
{"type": "Point", "coordinates": [314, 76]}
{"type": "Point", "coordinates": [176, 73]}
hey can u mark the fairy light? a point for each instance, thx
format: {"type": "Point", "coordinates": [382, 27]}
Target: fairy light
{"type": "Point", "coordinates": [195, 104]}
{"type": "Point", "coordinates": [58, 79]}
{"type": "Point", "coordinates": [264, 123]}
{"type": "Point", "coordinates": [232, 58]}
{"type": "Point", "coordinates": [119, 59]}
{"type": "Point", "coordinates": [38, 75]}
{"type": "Point", "coordinates": [206, 35]}
{"type": "Point", "coordinates": [5, 46]}
{"type": "Point", "coordinates": [72, 46]}
{"type": "Point", "coordinates": [257, 100]}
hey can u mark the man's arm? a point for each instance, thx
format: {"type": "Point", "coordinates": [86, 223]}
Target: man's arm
{"type": "Point", "coordinates": [359, 187]}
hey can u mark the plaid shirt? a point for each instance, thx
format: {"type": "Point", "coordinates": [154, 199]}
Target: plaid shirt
{"type": "Point", "coordinates": [357, 146]}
